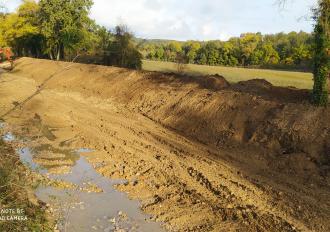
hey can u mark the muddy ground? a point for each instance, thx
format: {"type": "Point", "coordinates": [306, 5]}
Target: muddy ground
{"type": "Point", "coordinates": [200, 154]}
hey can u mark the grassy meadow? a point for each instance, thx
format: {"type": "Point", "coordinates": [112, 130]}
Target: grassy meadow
{"type": "Point", "coordinates": [299, 80]}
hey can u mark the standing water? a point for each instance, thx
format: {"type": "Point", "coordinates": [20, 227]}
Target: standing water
{"type": "Point", "coordinates": [81, 210]}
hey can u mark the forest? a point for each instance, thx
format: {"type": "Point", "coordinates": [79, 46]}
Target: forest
{"type": "Point", "coordinates": [281, 50]}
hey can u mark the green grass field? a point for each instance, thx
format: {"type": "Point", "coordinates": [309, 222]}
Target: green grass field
{"type": "Point", "coordinates": [279, 78]}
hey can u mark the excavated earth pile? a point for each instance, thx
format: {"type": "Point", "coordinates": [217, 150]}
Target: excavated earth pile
{"type": "Point", "coordinates": [202, 154]}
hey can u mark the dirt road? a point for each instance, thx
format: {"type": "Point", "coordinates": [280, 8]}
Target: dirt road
{"type": "Point", "coordinates": [176, 170]}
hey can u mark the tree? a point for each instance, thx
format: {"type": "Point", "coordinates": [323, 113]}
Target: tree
{"type": "Point", "coordinates": [227, 54]}
{"type": "Point", "coordinates": [122, 51]}
{"type": "Point", "coordinates": [63, 23]}
{"type": "Point", "coordinates": [190, 49]}
{"type": "Point", "coordinates": [300, 54]}
{"type": "Point", "coordinates": [171, 50]}
{"type": "Point", "coordinates": [270, 55]}
{"type": "Point", "coordinates": [175, 46]}
{"type": "Point", "coordinates": [103, 43]}
{"type": "Point", "coordinates": [248, 43]}
{"type": "Point", "coordinates": [201, 57]}
{"type": "Point", "coordinates": [321, 53]}
{"type": "Point", "coordinates": [159, 53]}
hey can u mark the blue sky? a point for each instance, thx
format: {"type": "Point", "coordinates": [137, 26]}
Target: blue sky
{"type": "Point", "coordinates": [200, 19]}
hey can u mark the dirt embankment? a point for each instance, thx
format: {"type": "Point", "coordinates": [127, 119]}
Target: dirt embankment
{"type": "Point", "coordinates": [242, 157]}
{"type": "Point", "coordinates": [205, 108]}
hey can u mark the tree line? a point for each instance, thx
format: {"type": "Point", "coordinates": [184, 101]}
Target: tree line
{"type": "Point", "coordinates": [292, 50]}
{"type": "Point", "coordinates": [62, 30]}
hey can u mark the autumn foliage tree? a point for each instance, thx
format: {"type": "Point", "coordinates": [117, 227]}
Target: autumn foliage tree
{"type": "Point", "coordinates": [20, 30]}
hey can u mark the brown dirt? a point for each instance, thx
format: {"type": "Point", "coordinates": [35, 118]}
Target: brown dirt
{"type": "Point", "coordinates": [200, 154]}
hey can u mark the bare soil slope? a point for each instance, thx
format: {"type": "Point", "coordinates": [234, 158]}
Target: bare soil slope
{"type": "Point", "coordinates": [202, 155]}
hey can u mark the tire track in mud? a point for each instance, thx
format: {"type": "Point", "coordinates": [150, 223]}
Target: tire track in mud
{"type": "Point", "coordinates": [229, 206]}
{"type": "Point", "coordinates": [223, 207]}
{"type": "Point", "coordinates": [247, 214]}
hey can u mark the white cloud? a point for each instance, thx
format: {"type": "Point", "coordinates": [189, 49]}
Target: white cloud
{"type": "Point", "coordinates": [199, 19]}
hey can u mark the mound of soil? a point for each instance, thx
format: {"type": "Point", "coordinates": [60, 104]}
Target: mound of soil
{"type": "Point", "coordinates": [214, 82]}
{"type": "Point", "coordinates": [266, 90]}
{"type": "Point", "coordinates": [255, 83]}
{"type": "Point", "coordinates": [205, 108]}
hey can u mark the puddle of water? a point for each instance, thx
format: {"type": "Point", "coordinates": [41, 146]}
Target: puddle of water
{"type": "Point", "coordinates": [27, 159]}
{"type": "Point", "coordinates": [84, 150]}
{"type": "Point", "coordinates": [91, 211]}
{"type": "Point", "coordinates": [82, 211]}
{"type": "Point", "coordinates": [8, 137]}
{"type": "Point", "coordinates": [68, 154]}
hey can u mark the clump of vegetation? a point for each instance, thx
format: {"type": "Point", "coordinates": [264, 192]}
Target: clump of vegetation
{"type": "Point", "coordinates": [14, 194]}
{"type": "Point", "coordinates": [62, 30]}
{"type": "Point", "coordinates": [122, 52]}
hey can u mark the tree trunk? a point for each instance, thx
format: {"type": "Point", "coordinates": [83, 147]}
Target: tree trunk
{"type": "Point", "coordinates": [51, 55]}
{"type": "Point", "coordinates": [61, 51]}
{"type": "Point", "coordinates": [58, 53]}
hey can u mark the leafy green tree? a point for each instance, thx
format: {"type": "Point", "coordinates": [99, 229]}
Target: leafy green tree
{"type": "Point", "coordinates": [321, 53]}
{"type": "Point", "coordinates": [270, 55]}
{"type": "Point", "coordinates": [208, 54]}
{"type": "Point", "coordinates": [201, 57]}
{"type": "Point", "coordinates": [248, 43]}
{"type": "Point", "coordinates": [122, 51]}
{"type": "Point", "coordinates": [190, 49]}
{"type": "Point", "coordinates": [300, 53]}
{"type": "Point", "coordinates": [20, 31]}
{"type": "Point", "coordinates": [149, 51]}
{"type": "Point", "coordinates": [63, 23]}
{"type": "Point", "coordinates": [98, 42]}
{"type": "Point", "coordinates": [212, 53]}
{"type": "Point", "coordinates": [175, 47]}
{"type": "Point", "coordinates": [257, 57]}
{"type": "Point", "coordinates": [159, 53]}
{"type": "Point", "coordinates": [227, 54]}
{"type": "Point", "coordinates": [171, 50]}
